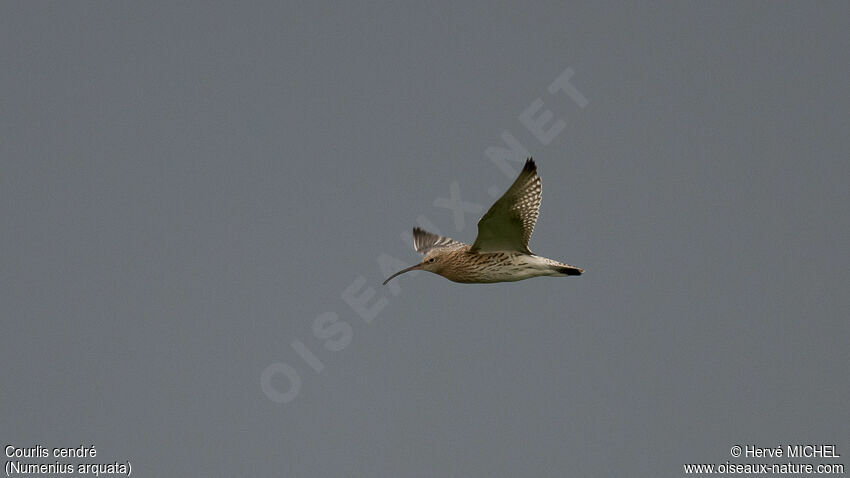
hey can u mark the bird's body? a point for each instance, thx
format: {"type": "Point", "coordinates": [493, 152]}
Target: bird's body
{"type": "Point", "coordinates": [460, 264]}
{"type": "Point", "coordinates": [500, 253]}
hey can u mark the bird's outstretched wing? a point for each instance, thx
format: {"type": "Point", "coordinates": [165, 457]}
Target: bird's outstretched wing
{"type": "Point", "coordinates": [508, 224]}
{"type": "Point", "coordinates": [424, 241]}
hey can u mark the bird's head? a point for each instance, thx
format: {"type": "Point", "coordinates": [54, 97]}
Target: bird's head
{"type": "Point", "coordinates": [432, 262]}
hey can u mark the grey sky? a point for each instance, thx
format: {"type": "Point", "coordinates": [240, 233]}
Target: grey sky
{"type": "Point", "coordinates": [186, 188]}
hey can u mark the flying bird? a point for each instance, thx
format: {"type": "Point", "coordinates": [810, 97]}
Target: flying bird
{"type": "Point", "coordinates": [500, 253]}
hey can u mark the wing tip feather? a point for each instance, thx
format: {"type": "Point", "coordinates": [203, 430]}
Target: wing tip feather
{"type": "Point", "coordinates": [530, 165]}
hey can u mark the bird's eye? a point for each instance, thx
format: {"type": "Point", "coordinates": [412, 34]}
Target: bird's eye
{"type": "Point", "coordinates": [430, 260]}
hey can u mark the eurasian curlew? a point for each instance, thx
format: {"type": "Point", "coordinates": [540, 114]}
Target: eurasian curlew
{"type": "Point", "coordinates": [500, 253]}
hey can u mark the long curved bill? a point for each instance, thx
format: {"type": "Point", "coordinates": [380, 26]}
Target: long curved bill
{"type": "Point", "coordinates": [411, 268]}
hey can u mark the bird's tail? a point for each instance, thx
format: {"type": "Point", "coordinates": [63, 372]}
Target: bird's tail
{"type": "Point", "coordinates": [557, 269]}
{"type": "Point", "coordinates": [568, 270]}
